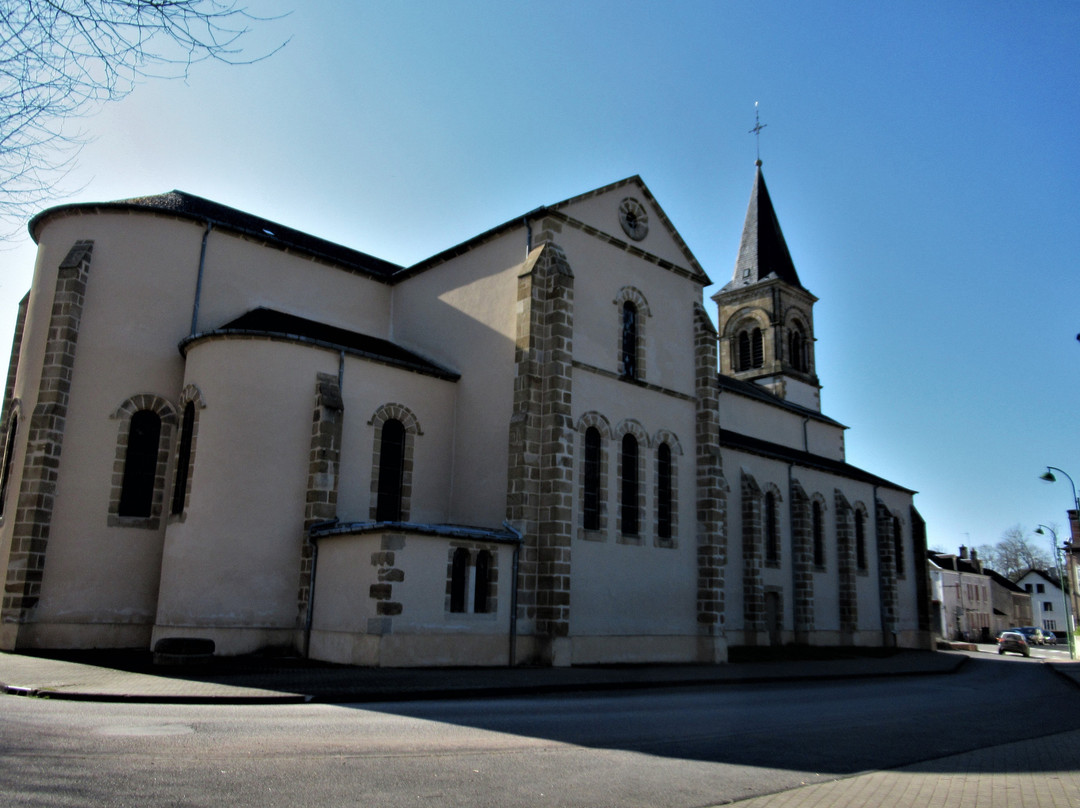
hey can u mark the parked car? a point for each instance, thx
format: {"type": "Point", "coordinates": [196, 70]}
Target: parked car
{"type": "Point", "coordinates": [1033, 634]}
{"type": "Point", "coordinates": [1015, 642]}
{"type": "Point", "coordinates": [1049, 638]}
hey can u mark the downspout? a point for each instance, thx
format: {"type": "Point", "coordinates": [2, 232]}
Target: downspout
{"type": "Point", "coordinates": [794, 570]}
{"type": "Point", "coordinates": [528, 236]}
{"type": "Point", "coordinates": [513, 594]}
{"type": "Point", "coordinates": [199, 279]}
{"type": "Point", "coordinates": [805, 434]}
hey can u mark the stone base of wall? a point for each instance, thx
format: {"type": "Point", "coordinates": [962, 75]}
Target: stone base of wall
{"type": "Point", "coordinates": [74, 636]}
{"type": "Point", "coordinates": [410, 650]}
{"type": "Point", "coordinates": [603, 650]}
{"type": "Point", "coordinates": [828, 639]}
{"type": "Point", "coordinates": [233, 641]}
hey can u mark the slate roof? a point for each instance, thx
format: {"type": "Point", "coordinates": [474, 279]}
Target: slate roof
{"type": "Point", "coordinates": [268, 322]}
{"type": "Point", "coordinates": [762, 249]}
{"type": "Point", "coordinates": [776, 451]}
{"type": "Point", "coordinates": [196, 208]}
{"type": "Point", "coordinates": [756, 391]}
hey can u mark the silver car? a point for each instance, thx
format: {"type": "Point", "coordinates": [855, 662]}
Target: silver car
{"type": "Point", "coordinates": [1015, 642]}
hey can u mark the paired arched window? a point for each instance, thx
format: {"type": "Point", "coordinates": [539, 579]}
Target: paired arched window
{"type": "Point", "coordinates": [591, 484]}
{"type": "Point", "coordinates": [631, 486]}
{"type": "Point", "coordinates": [751, 349]}
{"type": "Point", "coordinates": [140, 464]}
{"type": "Point", "coordinates": [391, 471]}
{"type": "Point", "coordinates": [459, 581]}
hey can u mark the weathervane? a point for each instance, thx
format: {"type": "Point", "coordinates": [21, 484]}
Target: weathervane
{"type": "Point", "coordinates": [756, 132]}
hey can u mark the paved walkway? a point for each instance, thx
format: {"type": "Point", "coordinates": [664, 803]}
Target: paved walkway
{"type": "Point", "coordinates": [105, 677]}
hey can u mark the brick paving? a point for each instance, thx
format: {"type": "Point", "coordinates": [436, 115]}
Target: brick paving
{"type": "Point", "coordinates": [1036, 773]}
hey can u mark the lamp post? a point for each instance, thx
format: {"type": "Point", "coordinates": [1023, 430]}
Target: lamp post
{"type": "Point", "coordinates": [1042, 530]}
{"type": "Point", "coordinates": [1071, 559]}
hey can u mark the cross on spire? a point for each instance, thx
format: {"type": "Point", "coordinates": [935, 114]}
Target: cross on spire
{"type": "Point", "coordinates": [756, 132]}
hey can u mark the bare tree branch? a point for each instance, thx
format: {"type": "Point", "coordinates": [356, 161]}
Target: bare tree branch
{"type": "Point", "coordinates": [61, 59]}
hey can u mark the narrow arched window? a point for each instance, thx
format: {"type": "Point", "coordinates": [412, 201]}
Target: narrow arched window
{"type": "Point", "coordinates": [629, 340]}
{"type": "Point", "coordinates": [482, 585]}
{"type": "Point", "coordinates": [744, 351]}
{"type": "Point", "coordinates": [459, 577]}
{"type": "Point", "coordinates": [772, 532]}
{"type": "Point", "coordinates": [9, 453]}
{"type": "Point", "coordinates": [183, 459]}
{"type": "Point", "coordinates": [757, 348]}
{"type": "Point", "coordinates": [591, 496]}
{"type": "Point", "coordinates": [391, 470]}
{"type": "Point", "coordinates": [663, 491]}
{"type": "Point", "coordinates": [860, 540]}
{"type": "Point", "coordinates": [898, 544]}
{"type": "Point", "coordinates": [631, 493]}
{"type": "Point", "coordinates": [140, 464]}
{"type": "Point", "coordinates": [817, 527]}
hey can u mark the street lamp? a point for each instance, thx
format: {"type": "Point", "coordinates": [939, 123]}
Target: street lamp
{"type": "Point", "coordinates": [1071, 559]}
{"type": "Point", "coordinates": [1050, 478]}
{"type": "Point", "coordinates": [1042, 530]}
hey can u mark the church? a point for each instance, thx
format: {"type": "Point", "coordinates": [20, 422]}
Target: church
{"type": "Point", "coordinates": [534, 448]}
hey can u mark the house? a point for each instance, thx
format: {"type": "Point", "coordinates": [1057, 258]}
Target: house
{"type": "Point", "coordinates": [1047, 600]}
{"type": "Point", "coordinates": [534, 447]}
{"type": "Point", "coordinates": [1012, 605]}
{"type": "Point", "coordinates": [961, 596]}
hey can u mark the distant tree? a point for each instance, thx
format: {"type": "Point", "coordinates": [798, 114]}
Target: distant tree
{"type": "Point", "coordinates": [1014, 555]}
{"type": "Point", "coordinates": [61, 59]}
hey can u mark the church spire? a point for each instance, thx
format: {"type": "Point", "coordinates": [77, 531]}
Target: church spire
{"type": "Point", "coordinates": [763, 253]}
{"type": "Point", "coordinates": [765, 314]}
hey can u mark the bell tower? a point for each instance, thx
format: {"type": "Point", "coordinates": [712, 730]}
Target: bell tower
{"type": "Point", "coordinates": [764, 314]}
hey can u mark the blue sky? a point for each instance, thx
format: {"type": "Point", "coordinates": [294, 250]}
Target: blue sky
{"type": "Point", "coordinates": [923, 158]}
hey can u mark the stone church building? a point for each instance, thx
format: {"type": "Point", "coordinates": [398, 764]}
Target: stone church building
{"type": "Point", "coordinates": [532, 448]}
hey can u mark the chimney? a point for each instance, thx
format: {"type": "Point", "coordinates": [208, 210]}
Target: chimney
{"type": "Point", "coordinates": [975, 560]}
{"type": "Point", "coordinates": [963, 552]}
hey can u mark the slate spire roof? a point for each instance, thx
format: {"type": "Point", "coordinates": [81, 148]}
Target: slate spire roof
{"type": "Point", "coordinates": [762, 249]}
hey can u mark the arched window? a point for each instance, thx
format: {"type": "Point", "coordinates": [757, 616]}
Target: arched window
{"type": "Point", "coordinates": [743, 360]}
{"type": "Point", "coordinates": [482, 584]}
{"type": "Point", "coordinates": [183, 459]}
{"type": "Point", "coordinates": [9, 453]}
{"type": "Point", "coordinates": [772, 530]}
{"type": "Point", "coordinates": [898, 544]}
{"type": "Point", "coordinates": [860, 539]}
{"type": "Point", "coordinates": [631, 486]}
{"type": "Point", "coordinates": [459, 577]}
{"type": "Point", "coordinates": [663, 491]}
{"type": "Point", "coordinates": [591, 496]}
{"type": "Point", "coordinates": [817, 527]}
{"type": "Point", "coordinates": [391, 470]}
{"type": "Point", "coordinates": [140, 464]}
{"type": "Point", "coordinates": [629, 340]}
{"type": "Point", "coordinates": [757, 348]}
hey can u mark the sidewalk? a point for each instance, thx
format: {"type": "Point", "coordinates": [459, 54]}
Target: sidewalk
{"type": "Point", "coordinates": [116, 677]}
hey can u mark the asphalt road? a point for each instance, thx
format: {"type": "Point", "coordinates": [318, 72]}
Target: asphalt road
{"type": "Point", "coordinates": [679, 747]}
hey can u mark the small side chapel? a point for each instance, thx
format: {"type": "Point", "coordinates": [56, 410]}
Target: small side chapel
{"type": "Point", "coordinates": [532, 448]}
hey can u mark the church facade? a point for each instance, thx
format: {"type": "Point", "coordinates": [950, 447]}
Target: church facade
{"type": "Point", "coordinates": [532, 448]}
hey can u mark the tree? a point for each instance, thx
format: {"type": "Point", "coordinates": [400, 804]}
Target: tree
{"type": "Point", "coordinates": [1014, 555]}
{"type": "Point", "coordinates": [61, 59]}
